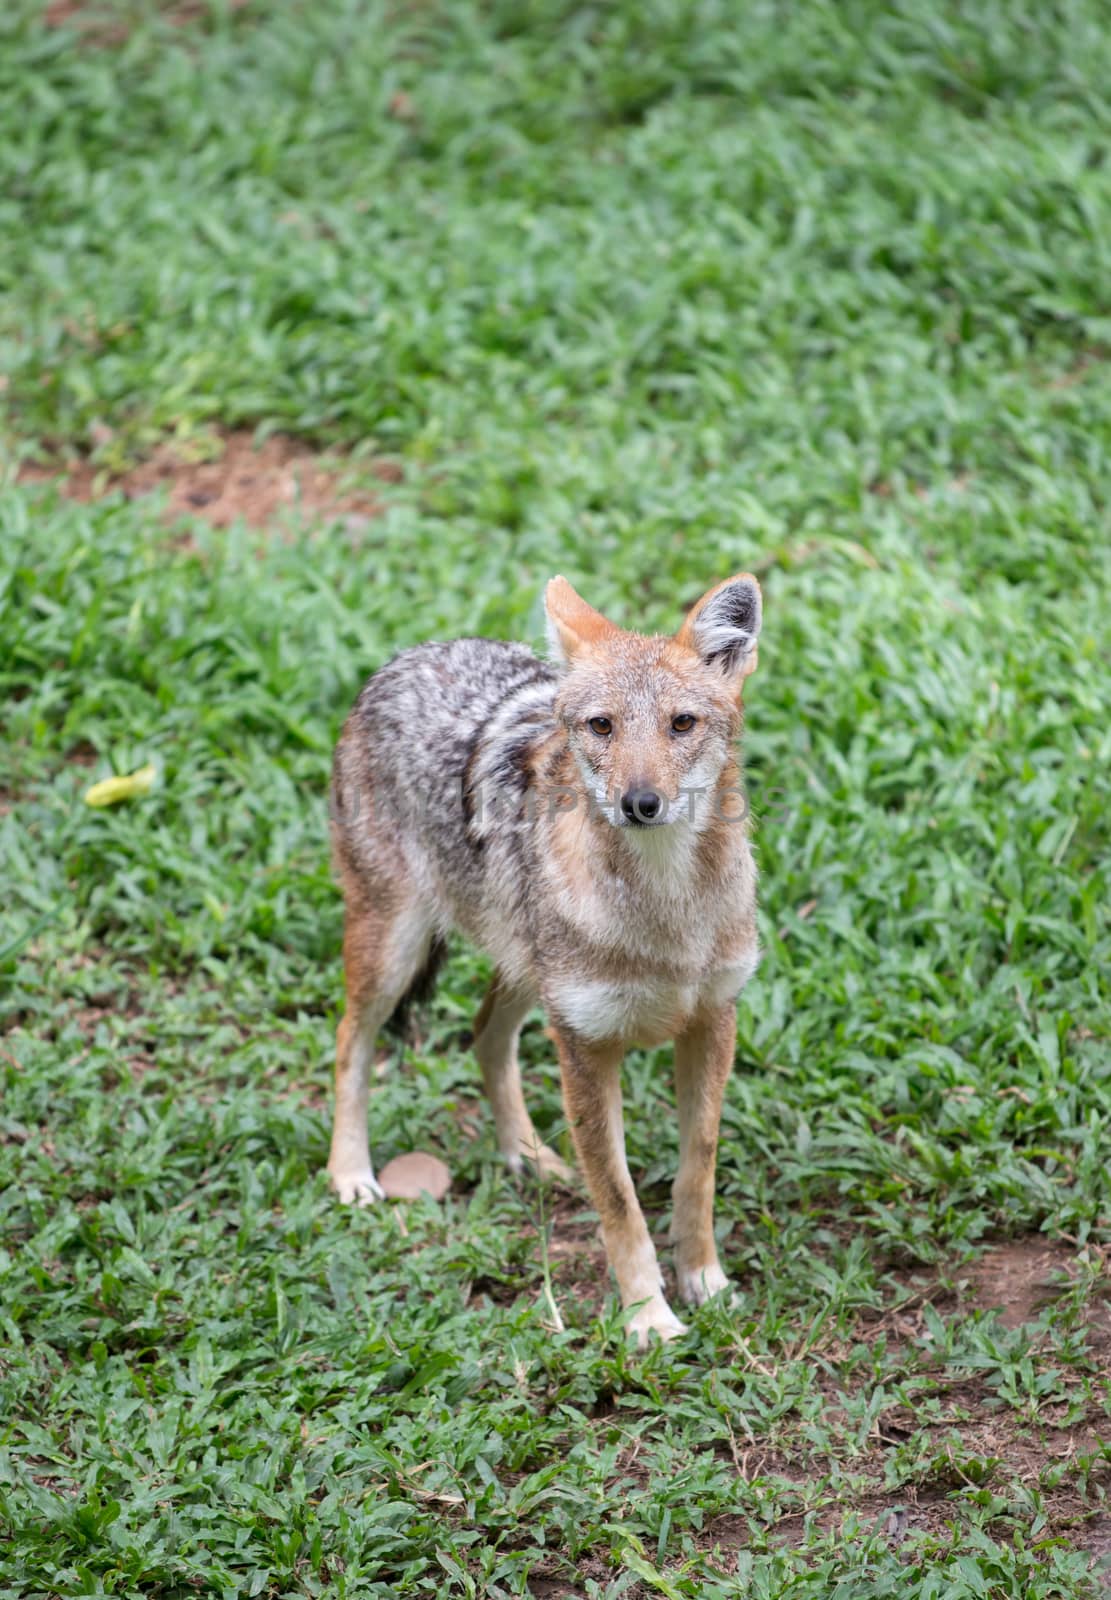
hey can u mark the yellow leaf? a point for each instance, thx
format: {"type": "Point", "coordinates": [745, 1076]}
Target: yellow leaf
{"type": "Point", "coordinates": [109, 790]}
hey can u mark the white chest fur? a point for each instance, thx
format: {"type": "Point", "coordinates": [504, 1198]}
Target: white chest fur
{"type": "Point", "coordinates": [600, 1009]}
{"type": "Point", "coordinates": [647, 1010]}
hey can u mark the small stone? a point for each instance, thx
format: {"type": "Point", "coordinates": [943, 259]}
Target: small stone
{"type": "Point", "coordinates": [406, 1177]}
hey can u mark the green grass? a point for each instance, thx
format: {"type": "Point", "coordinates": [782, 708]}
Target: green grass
{"type": "Point", "coordinates": [645, 294]}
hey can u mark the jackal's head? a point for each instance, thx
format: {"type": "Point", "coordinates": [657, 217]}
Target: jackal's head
{"type": "Point", "coordinates": [651, 721]}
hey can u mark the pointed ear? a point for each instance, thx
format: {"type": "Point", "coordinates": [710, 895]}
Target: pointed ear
{"type": "Point", "coordinates": [573, 626]}
{"type": "Point", "coordinates": [723, 627]}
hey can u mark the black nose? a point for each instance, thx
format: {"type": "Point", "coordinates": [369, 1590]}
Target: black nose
{"type": "Point", "coordinates": [641, 805]}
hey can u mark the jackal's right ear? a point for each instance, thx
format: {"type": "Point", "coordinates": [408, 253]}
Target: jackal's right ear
{"type": "Point", "coordinates": [573, 626]}
{"type": "Point", "coordinates": [723, 626]}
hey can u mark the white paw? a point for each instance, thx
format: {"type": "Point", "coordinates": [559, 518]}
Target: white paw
{"type": "Point", "coordinates": [655, 1317]}
{"type": "Point", "coordinates": [356, 1188]}
{"type": "Point", "coordinates": [699, 1284]}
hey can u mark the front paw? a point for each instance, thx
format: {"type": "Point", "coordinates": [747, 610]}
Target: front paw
{"type": "Point", "coordinates": [699, 1284]}
{"type": "Point", "coordinates": [360, 1188]}
{"type": "Point", "coordinates": [654, 1317]}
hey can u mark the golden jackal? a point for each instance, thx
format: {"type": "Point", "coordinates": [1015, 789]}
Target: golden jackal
{"type": "Point", "coordinates": [582, 822]}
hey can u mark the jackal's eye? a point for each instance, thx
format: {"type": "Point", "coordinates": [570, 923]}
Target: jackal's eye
{"type": "Point", "coordinates": [683, 723]}
{"type": "Point", "coordinates": [600, 725]}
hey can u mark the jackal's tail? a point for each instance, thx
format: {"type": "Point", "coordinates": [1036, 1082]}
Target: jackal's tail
{"type": "Point", "coordinates": [422, 988]}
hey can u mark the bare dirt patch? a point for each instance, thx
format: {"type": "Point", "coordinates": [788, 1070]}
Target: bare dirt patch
{"type": "Point", "coordinates": [928, 1506]}
{"type": "Point", "coordinates": [893, 1515]}
{"type": "Point", "coordinates": [1016, 1278]}
{"type": "Point", "coordinates": [1020, 1277]}
{"type": "Point", "coordinates": [1096, 1541]}
{"type": "Point", "coordinates": [544, 1588]}
{"type": "Point", "coordinates": [100, 25]}
{"type": "Point", "coordinates": [255, 483]}
{"type": "Point", "coordinates": [81, 754]}
{"type": "Point", "coordinates": [1099, 1329]}
{"type": "Point", "coordinates": [580, 1272]}
{"type": "Point", "coordinates": [547, 1580]}
{"type": "Point", "coordinates": [576, 1256]}
{"type": "Point", "coordinates": [973, 1443]}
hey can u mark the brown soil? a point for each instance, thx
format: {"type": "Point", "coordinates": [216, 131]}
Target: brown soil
{"type": "Point", "coordinates": [98, 25]}
{"type": "Point", "coordinates": [1017, 1278]}
{"type": "Point", "coordinates": [914, 1509]}
{"type": "Point", "coordinates": [580, 1272]}
{"type": "Point", "coordinates": [552, 1585]}
{"type": "Point", "coordinates": [1020, 1277]}
{"type": "Point", "coordinates": [255, 483]}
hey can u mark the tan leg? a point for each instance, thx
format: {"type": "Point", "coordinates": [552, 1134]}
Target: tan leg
{"type": "Point", "coordinates": [592, 1096]}
{"type": "Point", "coordinates": [349, 1161]}
{"type": "Point", "coordinates": [703, 1062]}
{"type": "Point", "coordinates": [496, 1031]}
{"type": "Point", "coordinates": [381, 953]}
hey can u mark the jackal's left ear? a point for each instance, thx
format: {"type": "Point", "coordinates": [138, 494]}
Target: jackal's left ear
{"type": "Point", "coordinates": [573, 626]}
{"type": "Point", "coordinates": [723, 627]}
